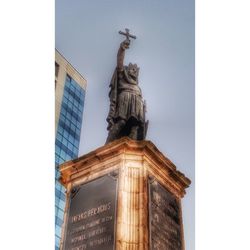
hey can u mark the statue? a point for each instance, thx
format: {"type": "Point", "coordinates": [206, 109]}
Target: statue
{"type": "Point", "coordinates": [127, 109]}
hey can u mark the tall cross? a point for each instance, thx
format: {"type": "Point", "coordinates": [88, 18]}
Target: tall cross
{"type": "Point", "coordinates": [127, 34]}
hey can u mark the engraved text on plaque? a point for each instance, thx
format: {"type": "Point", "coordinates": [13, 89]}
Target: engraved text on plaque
{"type": "Point", "coordinates": [91, 218]}
{"type": "Point", "coordinates": [165, 228]}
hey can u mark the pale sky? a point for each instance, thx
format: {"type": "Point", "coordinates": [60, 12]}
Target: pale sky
{"type": "Point", "coordinates": [87, 36]}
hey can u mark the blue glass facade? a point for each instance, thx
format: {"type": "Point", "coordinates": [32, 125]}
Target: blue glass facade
{"type": "Point", "coordinates": [67, 142]}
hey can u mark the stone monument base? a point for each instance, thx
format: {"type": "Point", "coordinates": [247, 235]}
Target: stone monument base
{"type": "Point", "coordinates": [124, 195]}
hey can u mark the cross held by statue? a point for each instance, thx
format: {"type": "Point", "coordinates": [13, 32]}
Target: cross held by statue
{"type": "Point", "coordinates": [127, 34]}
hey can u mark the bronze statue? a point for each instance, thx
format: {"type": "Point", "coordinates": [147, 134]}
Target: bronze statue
{"type": "Point", "coordinates": [127, 109]}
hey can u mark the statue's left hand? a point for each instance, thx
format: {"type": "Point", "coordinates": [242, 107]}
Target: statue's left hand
{"type": "Point", "coordinates": [110, 123]}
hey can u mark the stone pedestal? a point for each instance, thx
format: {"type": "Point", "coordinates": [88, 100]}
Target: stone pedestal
{"type": "Point", "coordinates": [124, 195]}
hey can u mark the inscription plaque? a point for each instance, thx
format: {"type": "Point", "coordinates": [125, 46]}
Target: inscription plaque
{"type": "Point", "coordinates": [165, 226]}
{"type": "Point", "coordinates": [92, 213]}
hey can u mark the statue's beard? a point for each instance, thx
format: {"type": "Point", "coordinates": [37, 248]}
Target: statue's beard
{"type": "Point", "coordinates": [133, 76]}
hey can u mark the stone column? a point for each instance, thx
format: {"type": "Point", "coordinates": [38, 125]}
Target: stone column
{"type": "Point", "coordinates": [132, 219]}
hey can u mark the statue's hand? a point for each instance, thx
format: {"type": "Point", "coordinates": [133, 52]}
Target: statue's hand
{"type": "Point", "coordinates": [125, 44]}
{"type": "Point", "coordinates": [110, 123]}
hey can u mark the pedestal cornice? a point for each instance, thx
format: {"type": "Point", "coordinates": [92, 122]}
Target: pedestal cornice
{"type": "Point", "coordinates": [109, 157]}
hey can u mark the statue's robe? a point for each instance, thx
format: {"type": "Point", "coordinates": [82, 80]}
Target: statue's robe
{"type": "Point", "coordinates": [125, 98]}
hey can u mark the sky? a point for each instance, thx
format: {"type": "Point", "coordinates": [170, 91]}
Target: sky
{"type": "Point", "coordinates": [86, 34]}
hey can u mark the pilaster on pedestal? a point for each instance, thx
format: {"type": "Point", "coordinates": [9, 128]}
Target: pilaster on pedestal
{"type": "Point", "coordinates": [124, 195]}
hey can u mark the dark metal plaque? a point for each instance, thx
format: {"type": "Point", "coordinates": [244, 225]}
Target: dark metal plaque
{"type": "Point", "coordinates": [92, 213]}
{"type": "Point", "coordinates": [165, 225]}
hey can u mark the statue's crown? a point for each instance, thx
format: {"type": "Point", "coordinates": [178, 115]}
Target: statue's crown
{"type": "Point", "coordinates": [134, 66]}
{"type": "Point", "coordinates": [131, 65]}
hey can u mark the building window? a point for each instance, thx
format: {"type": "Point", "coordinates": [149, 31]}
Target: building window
{"type": "Point", "coordinates": [56, 72]}
{"type": "Point", "coordinates": [56, 69]}
{"type": "Point", "coordinates": [68, 79]}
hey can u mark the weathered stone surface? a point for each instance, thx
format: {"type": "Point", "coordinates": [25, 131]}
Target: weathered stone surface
{"type": "Point", "coordinates": [134, 162]}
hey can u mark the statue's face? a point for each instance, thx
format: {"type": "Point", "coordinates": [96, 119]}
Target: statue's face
{"type": "Point", "coordinates": [133, 71]}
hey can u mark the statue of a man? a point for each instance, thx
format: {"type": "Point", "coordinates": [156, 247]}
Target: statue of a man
{"type": "Point", "coordinates": [127, 109]}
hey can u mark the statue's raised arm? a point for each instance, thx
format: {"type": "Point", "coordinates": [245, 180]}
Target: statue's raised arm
{"type": "Point", "coordinates": [121, 54]}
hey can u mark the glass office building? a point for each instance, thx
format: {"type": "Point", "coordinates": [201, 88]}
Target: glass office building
{"type": "Point", "coordinates": [70, 94]}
